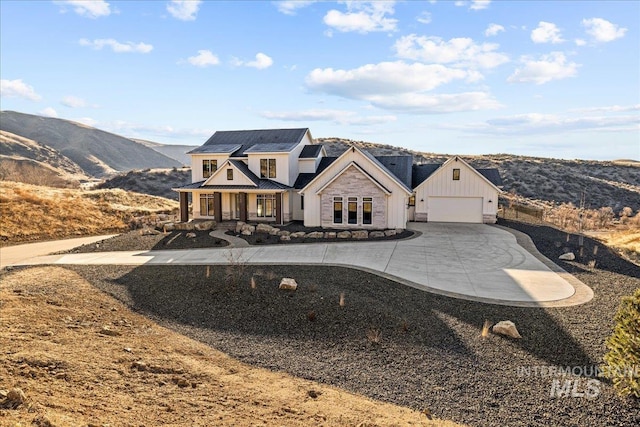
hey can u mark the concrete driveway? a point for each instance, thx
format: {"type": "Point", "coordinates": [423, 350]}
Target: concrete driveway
{"type": "Point", "coordinates": [470, 261]}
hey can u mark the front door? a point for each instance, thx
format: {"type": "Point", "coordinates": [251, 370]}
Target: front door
{"type": "Point", "coordinates": [235, 206]}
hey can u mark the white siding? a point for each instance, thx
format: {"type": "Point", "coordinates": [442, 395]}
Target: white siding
{"type": "Point", "coordinates": [441, 184]}
{"type": "Point", "coordinates": [196, 164]}
{"type": "Point", "coordinates": [307, 165]}
{"type": "Point", "coordinates": [282, 165]}
{"type": "Point", "coordinates": [396, 209]}
{"type": "Point", "coordinates": [220, 177]}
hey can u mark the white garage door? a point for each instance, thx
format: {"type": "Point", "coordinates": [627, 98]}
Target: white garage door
{"type": "Point", "coordinates": [455, 209]}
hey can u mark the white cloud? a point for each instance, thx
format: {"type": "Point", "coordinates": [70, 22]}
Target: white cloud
{"type": "Point", "coordinates": [546, 32]}
{"type": "Point", "coordinates": [493, 30]}
{"type": "Point", "coordinates": [204, 58]}
{"type": "Point", "coordinates": [123, 127]}
{"type": "Point", "coordinates": [460, 3]}
{"type": "Point", "coordinates": [602, 30]}
{"type": "Point", "coordinates": [261, 62]}
{"type": "Point", "coordinates": [291, 7]}
{"type": "Point", "coordinates": [457, 51]}
{"type": "Point", "coordinates": [49, 112]}
{"type": "Point", "coordinates": [184, 10]}
{"type": "Point", "coordinates": [549, 67]}
{"type": "Point", "coordinates": [479, 4]}
{"type": "Point", "coordinates": [116, 46]}
{"type": "Point", "coordinates": [609, 109]}
{"type": "Point", "coordinates": [73, 102]}
{"type": "Point", "coordinates": [363, 17]}
{"type": "Point", "coordinates": [580, 42]}
{"type": "Point", "coordinates": [424, 18]}
{"type": "Point", "coordinates": [18, 89]}
{"type": "Point", "coordinates": [437, 103]}
{"type": "Point", "coordinates": [336, 116]}
{"type": "Point", "coordinates": [90, 8]}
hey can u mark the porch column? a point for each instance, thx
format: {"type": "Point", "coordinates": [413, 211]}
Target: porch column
{"type": "Point", "coordinates": [217, 206]}
{"type": "Point", "coordinates": [243, 202]}
{"type": "Point", "coordinates": [184, 206]}
{"type": "Point", "coordinates": [279, 220]}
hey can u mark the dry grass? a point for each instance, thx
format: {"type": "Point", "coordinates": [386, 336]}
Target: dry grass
{"type": "Point", "coordinates": [624, 241]}
{"type": "Point", "coordinates": [30, 212]}
{"type": "Point", "coordinates": [54, 348]}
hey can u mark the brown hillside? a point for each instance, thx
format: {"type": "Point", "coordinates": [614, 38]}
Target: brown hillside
{"type": "Point", "coordinates": [30, 212]}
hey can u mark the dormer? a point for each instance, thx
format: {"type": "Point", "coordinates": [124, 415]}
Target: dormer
{"type": "Point", "coordinates": [310, 158]}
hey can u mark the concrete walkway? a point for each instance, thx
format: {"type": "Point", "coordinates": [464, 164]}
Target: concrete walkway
{"type": "Point", "coordinates": [19, 253]}
{"type": "Point", "coordinates": [469, 261]}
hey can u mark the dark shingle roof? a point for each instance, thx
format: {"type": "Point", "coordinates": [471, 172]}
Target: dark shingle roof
{"type": "Point", "coordinates": [399, 166]}
{"type": "Point", "coordinates": [216, 148]}
{"type": "Point", "coordinates": [383, 167]}
{"type": "Point", "coordinates": [310, 151]}
{"type": "Point", "coordinates": [272, 147]}
{"type": "Point", "coordinates": [493, 175]}
{"type": "Point", "coordinates": [422, 172]}
{"type": "Point", "coordinates": [242, 167]}
{"type": "Point", "coordinates": [249, 138]}
{"type": "Point", "coordinates": [305, 178]}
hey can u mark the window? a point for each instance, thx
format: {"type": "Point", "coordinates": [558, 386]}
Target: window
{"type": "Point", "coordinates": [367, 210]}
{"type": "Point", "coordinates": [412, 200]}
{"type": "Point", "coordinates": [456, 174]}
{"type": "Point", "coordinates": [209, 167]}
{"type": "Point", "coordinates": [206, 205]}
{"type": "Point", "coordinates": [229, 174]}
{"type": "Point", "coordinates": [352, 210]}
{"type": "Point", "coordinates": [266, 205]}
{"type": "Point", "coordinates": [337, 210]}
{"type": "Point", "coordinates": [267, 168]}
{"type": "Point", "coordinates": [301, 203]}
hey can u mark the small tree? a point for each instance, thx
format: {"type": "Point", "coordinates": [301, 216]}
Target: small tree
{"type": "Point", "coordinates": [623, 359]}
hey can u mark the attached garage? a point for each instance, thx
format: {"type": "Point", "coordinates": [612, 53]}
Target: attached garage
{"type": "Point", "coordinates": [455, 209]}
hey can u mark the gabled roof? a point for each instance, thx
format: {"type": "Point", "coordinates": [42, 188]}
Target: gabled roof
{"type": "Point", "coordinates": [249, 139]}
{"type": "Point", "coordinates": [244, 169]}
{"type": "Point", "coordinates": [364, 172]}
{"type": "Point", "coordinates": [422, 172]}
{"type": "Point", "coordinates": [305, 178]}
{"type": "Point", "coordinates": [474, 170]}
{"type": "Point", "coordinates": [493, 175]}
{"type": "Point", "coordinates": [378, 163]}
{"type": "Point", "coordinates": [310, 151]}
{"type": "Point", "coordinates": [399, 166]}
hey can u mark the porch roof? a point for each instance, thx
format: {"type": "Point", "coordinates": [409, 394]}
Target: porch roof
{"type": "Point", "coordinates": [262, 185]}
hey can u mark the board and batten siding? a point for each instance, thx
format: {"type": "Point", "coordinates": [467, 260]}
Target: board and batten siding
{"type": "Point", "coordinates": [442, 184]}
{"type": "Point", "coordinates": [196, 164]}
{"type": "Point", "coordinates": [395, 204]}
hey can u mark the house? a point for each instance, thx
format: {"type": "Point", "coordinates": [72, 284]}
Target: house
{"type": "Point", "coordinates": [280, 175]}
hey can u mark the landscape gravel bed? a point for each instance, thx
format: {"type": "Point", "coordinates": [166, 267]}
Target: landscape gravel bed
{"type": "Point", "coordinates": [395, 343]}
{"type": "Point", "coordinates": [136, 240]}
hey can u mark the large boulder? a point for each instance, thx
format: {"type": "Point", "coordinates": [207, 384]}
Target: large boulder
{"type": "Point", "coordinates": [569, 256]}
{"type": "Point", "coordinates": [376, 234]}
{"type": "Point", "coordinates": [315, 235]}
{"type": "Point", "coordinates": [274, 231]}
{"type": "Point", "coordinates": [330, 235]}
{"type": "Point", "coordinates": [264, 228]}
{"type": "Point", "coordinates": [204, 225]}
{"type": "Point", "coordinates": [288, 284]}
{"type": "Point", "coordinates": [390, 232]}
{"type": "Point", "coordinates": [248, 230]}
{"type": "Point", "coordinates": [283, 233]}
{"type": "Point", "coordinates": [507, 328]}
{"type": "Point", "coordinates": [183, 226]}
{"type": "Point", "coordinates": [344, 234]}
{"type": "Point", "coordinates": [169, 226]}
{"type": "Point", "coordinates": [360, 234]}
{"type": "Point", "coordinates": [239, 226]}
{"type": "Point", "coordinates": [285, 237]}
{"type": "Point", "coordinates": [297, 234]}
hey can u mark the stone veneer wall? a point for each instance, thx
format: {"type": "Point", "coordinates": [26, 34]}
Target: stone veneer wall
{"type": "Point", "coordinates": [353, 183]}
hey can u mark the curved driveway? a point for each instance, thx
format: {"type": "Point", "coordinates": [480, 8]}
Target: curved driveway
{"type": "Point", "coordinates": [470, 261]}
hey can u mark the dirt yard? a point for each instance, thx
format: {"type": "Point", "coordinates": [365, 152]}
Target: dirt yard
{"type": "Point", "coordinates": [82, 358]}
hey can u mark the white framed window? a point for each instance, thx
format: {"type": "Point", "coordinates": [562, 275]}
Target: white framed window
{"type": "Point", "coordinates": [367, 210]}
{"type": "Point", "coordinates": [352, 210]}
{"type": "Point", "coordinates": [337, 210]}
{"type": "Point", "coordinates": [229, 174]}
{"type": "Point", "coordinates": [266, 205]}
{"type": "Point", "coordinates": [456, 174]}
{"type": "Point", "coordinates": [206, 205]}
{"type": "Point", "coordinates": [267, 168]}
{"type": "Point", "coordinates": [209, 167]}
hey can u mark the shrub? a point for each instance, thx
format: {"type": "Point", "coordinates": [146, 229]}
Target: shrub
{"type": "Point", "coordinates": [623, 359]}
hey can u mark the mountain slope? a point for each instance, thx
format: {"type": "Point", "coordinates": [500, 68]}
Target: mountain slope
{"type": "Point", "coordinates": [176, 152]}
{"type": "Point", "coordinates": [97, 152]}
{"type": "Point", "coordinates": [25, 160]}
{"type": "Point", "coordinates": [615, 184]}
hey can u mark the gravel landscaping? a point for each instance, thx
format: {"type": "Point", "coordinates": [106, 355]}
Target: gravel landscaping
{"type": "Point", "coordinates": [398, 344]}
{"type": "Point", "coordinates": [137, 240]}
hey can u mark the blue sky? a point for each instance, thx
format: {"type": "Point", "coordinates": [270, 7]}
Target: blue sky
{"type": "Point", "coordinates": [543, 78]}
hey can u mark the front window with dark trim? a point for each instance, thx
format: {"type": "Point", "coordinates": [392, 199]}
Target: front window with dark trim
{"type": "Point", "coordinates": [266, 205]}
{"type": "Point", "coordinates": [367, 210]}
{"type": "Point", "coordinates": [352, 210]}
{"type": "Point", "coordinates": [456, 174]}
{"type": "Point", "coordinates": [412, 200]}
{"type": "Point", "coordinates": [301, 203]}
{"type": "Point", "coordinates": [209, 167]}
{"type": "Point", "coordinates": [229, 174]}
{"type": "Point", "coordinates": [206, 205]}
{"type": "Point", "coordinates": [337, 210]}
{"type": "Point", "coordinates": [267, 168]}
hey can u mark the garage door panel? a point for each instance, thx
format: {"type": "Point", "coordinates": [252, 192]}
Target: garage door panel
{"type": "Point", "coordinates": [455, 209]}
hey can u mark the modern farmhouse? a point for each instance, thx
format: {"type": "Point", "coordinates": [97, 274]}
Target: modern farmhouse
{"type": "Point", "coordinates": [280, 175]}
